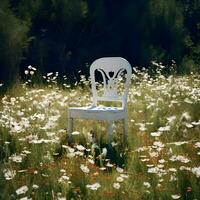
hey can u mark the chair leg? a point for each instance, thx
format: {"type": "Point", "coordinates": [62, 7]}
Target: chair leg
{"type": "Point", "coordinates": [70, 126]}
{"type": "Point", "coordinates": [110, 130]}
{"type": "Point", "coordinates": [125, 121]}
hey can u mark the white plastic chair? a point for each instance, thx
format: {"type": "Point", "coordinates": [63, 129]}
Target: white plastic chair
{"type": "Point", "coordinates": [118, 67]}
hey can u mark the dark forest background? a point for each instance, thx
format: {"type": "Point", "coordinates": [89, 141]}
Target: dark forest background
{"type": "Point", "coordinates": [67, 35]}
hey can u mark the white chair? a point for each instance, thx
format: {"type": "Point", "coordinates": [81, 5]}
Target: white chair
{"type": "Point", "coordinates": [112, 70]}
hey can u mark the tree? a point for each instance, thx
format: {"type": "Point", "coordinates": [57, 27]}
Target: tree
{"type": "Point", "coordinates": [13, 40]}
{"type": "Point", "coordinates": [55, 31]}
{"type": "Point", "coordinates": [191, 60]}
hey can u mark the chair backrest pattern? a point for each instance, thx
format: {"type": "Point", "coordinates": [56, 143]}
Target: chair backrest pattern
{"type": "Point", "coordinates": [112, 70]}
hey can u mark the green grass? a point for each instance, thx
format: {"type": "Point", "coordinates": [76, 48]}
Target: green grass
{"type": "Point", "coordinates": [35, 150]}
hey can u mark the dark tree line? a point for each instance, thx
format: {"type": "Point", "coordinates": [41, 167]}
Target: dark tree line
{"type": "Point", "coordinates": [67, 35]}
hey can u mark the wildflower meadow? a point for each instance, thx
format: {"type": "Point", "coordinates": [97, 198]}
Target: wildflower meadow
{"type": "Point", "coordinates": [38, 159]}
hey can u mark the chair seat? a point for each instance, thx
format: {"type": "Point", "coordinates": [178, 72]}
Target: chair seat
{"type": "Point", "coordinates": [97, 112]}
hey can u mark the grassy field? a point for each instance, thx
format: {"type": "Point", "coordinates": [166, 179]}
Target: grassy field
{"type": "Point", "coordinates": [161, 160]}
